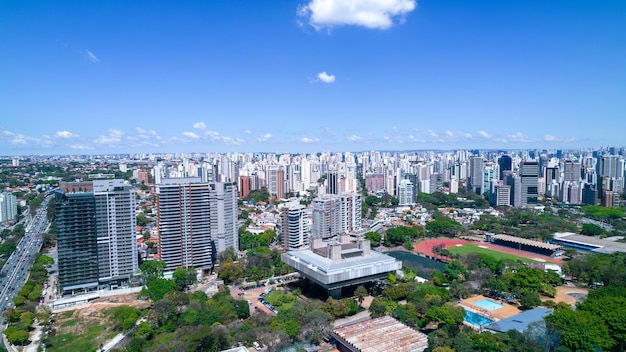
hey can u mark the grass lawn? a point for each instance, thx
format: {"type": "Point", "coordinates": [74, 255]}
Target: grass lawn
{"type": "Point", "coordinates": [472, 248]}
{"type": "Point", "coordinates": [86, 341]}
{"type": "Point", "coordinates": [281, 300]}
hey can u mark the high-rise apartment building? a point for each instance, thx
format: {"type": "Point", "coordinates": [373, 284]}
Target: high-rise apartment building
{"type": "Point", "coordinates": [529, 175]}
{"type": "Point", "coordinates": [326, 216]}
{"type": "Point", "coordinates": [223, 208]}
{"type": "Point", "coordinates": [244, 186]}
{"type": "Point", "coordinates": [143, 177]}
{"type": "Point", "coordinates": [195, 219]}
{"type": "Point", "coordinates": [332, 182]}
{"type": "Point", "coordinates": [184, 221]}
{"type": "Point", "coordinates": [336, 214]}
{"type": "Point", "coordinates": [350, 212]}
{"type": "Point", "coordinates": [116, 229]}
{"type": "Point", "coordinates": [295, 228]}
{"type": "Point", "coordinates": [571, 171]}
{"type": "Point", "coordinates": [405, 193]}
{"type": "Point", "coordinates": [280, 183]}
{"type": "Point", "coordinates": [272, 180]}
{"type": "Point", "coordinates": [96, 235]}
{"type": "Point", "coordinates": [502, 195]}
{"type": "Point", "coordinates": [8, 207]}
{"type": "Point", "coordinates": [475, 180]}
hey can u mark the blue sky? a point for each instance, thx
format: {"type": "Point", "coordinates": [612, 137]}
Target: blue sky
{"type": "Point", "coordinates": [81, 77]}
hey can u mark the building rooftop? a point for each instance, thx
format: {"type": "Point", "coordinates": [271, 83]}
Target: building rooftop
{"type": "Point", "coordinates": [598, 244]}
{"type": "Point", "coordinates": [330, 263]}
{"type": "Point", "coordinates": [520, 321]}
{"type": "Point", "coordinates": [381, 334]}
{"type": "Point", "coordinates": [527, 242]}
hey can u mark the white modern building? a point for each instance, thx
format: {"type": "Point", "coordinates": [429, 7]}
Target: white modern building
{"type": "Point", "coordinates": [8, 207]}
{"type": "Point", "coordinates": [296, 226]}
{"type": "Point", "coordinates": [195, 219]}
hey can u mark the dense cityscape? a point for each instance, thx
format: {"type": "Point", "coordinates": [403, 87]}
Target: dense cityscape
{"type": "Point", "coordinates": [313, 175]}
{"type": "Point", "coordinates": [465, 250]}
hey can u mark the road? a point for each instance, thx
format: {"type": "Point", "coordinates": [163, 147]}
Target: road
{"type": "Point", "coordinates": [14, 273]}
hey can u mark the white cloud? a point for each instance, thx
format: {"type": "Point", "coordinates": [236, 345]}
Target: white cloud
{"type": "Point", "coordinates": [484, 134]}
{"type": "Point", "coordinates": [309, 140]}
{"type": "Point", "coordinates": [355, 138]}
{"type": "Point", "coordinates": [432, 133]}
{"type": "Point", "coordinates": [264, 137]}
{"type": "Point", "coordinates": [376, 14]}
{"type": "Point", "coordinates": [200, 125]}
{"type": "Point", "coordinates": [190, 135]}
{"type": "Point", "coordinates": [91, 56]}
{"type": "Point", "coordinates": [467, 135]}
{"type": "Point", "coordinates": [325, 77]}
{"type": "Point", "coordinates": [449, 133]}
{"type": "Point", "coordinates": [80, 147]}
{"type": "Point", "coordinates": [549, 138]}
{"type": "Point", "coordinates": [212, 135]}
{"type": "Point", "coordinates": [247, 132]}
{"type": "Point", "coordinates": [114, 137]}
{"type": "Point", "coordinates": [65, 134]}
{"type": "Point", "coordinates": [519, 137]}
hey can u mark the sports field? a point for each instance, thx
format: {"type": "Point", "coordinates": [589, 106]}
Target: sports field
{"type": "Point", "coordinates": [472, 248]}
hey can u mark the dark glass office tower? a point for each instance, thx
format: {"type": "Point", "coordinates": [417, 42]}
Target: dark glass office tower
{"type": "Point", "coordinates": [77, 241]}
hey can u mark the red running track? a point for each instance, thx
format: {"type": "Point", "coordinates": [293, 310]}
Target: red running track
{"type": "Point", "coordinates": [426, 247]}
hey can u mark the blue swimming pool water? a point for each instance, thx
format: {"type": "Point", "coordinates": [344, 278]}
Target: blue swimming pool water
{"type": "Point", "coordinates": [476, 319]}
{"type": "Point", "coordinates": [488, 304]}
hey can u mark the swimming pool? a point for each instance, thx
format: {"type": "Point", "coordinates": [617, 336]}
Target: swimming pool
{"type": "Point", "coordinates": [476, 319]}
{"type": "Point", "coordinates": [488, 304]}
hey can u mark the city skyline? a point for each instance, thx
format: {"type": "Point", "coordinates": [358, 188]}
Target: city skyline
{"type": "Point", "coordinates": [308, 76]}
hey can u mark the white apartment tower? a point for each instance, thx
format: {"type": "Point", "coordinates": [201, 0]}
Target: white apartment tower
{"type": "Point", "coordinates": [116, 229]}
{"type": "Point", "coordinates": [223, 208]}
{"type": "Point", "coordinates": [296, 228]}
{"type": "Point", "coordinates": [326, 216]}
{"type": "Point", "coordinates": [336, 214]}
{"type": "Point", "coordinates": [8, 207]}
{"type": "Point", "coordinates": [195, 217]}
{"type": "Point", "coordinates": [405, 193]}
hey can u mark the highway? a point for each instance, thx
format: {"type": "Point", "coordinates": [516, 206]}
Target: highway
{"type": "Point", "coordinates": [14, 273]}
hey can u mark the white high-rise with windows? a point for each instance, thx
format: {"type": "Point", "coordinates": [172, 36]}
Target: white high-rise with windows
{"type": "Point", "coordinates": [336, 214]}
{"type": "Point", "coordinates": [405, 193]}
{"type": "Point", "coordinates": [295, 226]}
{"type": "Point", "coordinates": [195, 217]}
{"type": "Point", "coordinates": [116, 229]}
{"type": "Point", "coordinates": [8, 207]}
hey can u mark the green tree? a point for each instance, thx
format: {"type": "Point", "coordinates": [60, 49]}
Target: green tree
{"type": "Point", "coordinates": [446, 314]}
{"type": "Point", "coordinates": [230, 272]}
{"type": "Point", "coordinates": [372, 200]}
{"type": "Point", "coordinates": [243, 309]}
{"type": "Point", "coordinates": [184, 277]}
{"type": "Point", "coordinates": [267, 237]}
{"type": "Point", "coordinates": [125, 316]}
{"type": "Point", "coordinates": [612, 310]}
{"type": "Point", "coordinates": [17, 337]}
{"type": "Point", "coordinates": [374, 238]}
{"type": "Point", "coordinates": [142, 220]}
{"type": "Point", "coordinates": [360, 294]}
{"type": "Point", "coordinates": [530, 300]}
{"type": "Point", "coordinates": [144, 331]}
{"type": "Point", "coordinates": [291, 327]}
{"type": "Point", "coordinates": [152, 269]}
{"type": "Point", "coordinates": [157, 288]}
{"type": "Point", "coordinates": [591, 230]}
{"type": "Point", "coordinates": [580, 330]}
